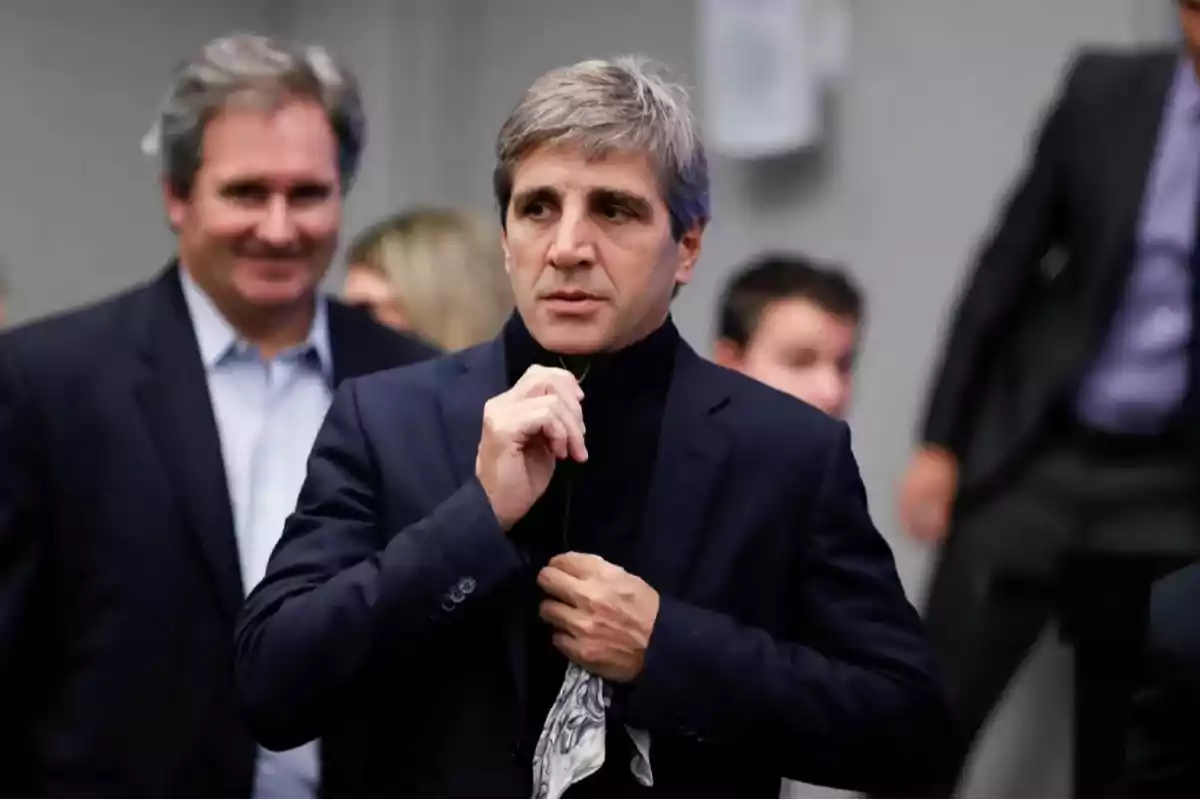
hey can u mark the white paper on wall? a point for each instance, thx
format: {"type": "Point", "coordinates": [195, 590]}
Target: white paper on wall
{"type": "Point", "coordinates": [764, 68]}
{"type": "Point", "coordinates": [830, 38]}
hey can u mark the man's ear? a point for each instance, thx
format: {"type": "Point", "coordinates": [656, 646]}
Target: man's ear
{"type": "Point", "coordinates": [175, 205]}
{"type": "Point", "coordinates": [727, 353]}
{"type": "Point", "coordinates": [507, 252]}
{"type": "Point", "coordinates": [688, 253]}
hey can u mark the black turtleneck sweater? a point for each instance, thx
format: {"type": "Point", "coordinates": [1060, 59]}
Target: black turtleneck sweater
{"type": "Point", "coordinates": [595, 507]}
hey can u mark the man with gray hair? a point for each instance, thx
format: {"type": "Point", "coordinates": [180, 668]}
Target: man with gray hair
{"type": "Point", "coordinates": [581, 560]}
{"type": "Point", "coordinates": [152, 445]}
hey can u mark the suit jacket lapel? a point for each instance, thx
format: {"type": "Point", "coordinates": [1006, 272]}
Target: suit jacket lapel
{"type": "Point", "coordinates": [691, 452]}
{"type": "Point", "coordinates": [359, 345]}
{"type": "Point", "coordinates": [479, 375]}
{"type": "Point", "coordinates": [173, 395]}
{"type": "Point", "coordinates": [351, 356]}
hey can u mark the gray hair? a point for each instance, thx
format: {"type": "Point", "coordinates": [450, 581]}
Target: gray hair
{"type": "Point", "coordinates": [265, 73]}
{"type": "Point", "coordinates": [621, 104]}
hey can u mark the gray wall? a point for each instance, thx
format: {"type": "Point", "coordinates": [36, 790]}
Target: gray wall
{"type": "Point", "coordinates": [79, 206]}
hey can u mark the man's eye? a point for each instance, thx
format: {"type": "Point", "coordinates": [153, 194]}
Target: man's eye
{"type": "Point", "coordinates": [310, 194]}
{"type": "Point", "coordinates": [803, 359]}
{"type": "Point", "coordinates": [615, 212]}
{"type": "Point", "coordinates": [245, 193]}
{"type": "Point", "coordinates": [535, 209]}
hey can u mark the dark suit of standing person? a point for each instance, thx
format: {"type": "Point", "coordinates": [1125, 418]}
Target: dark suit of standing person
{"type": "Point", "coordinates": [1163, 758]}
{"type": "Point", "coordinates": [1062, 417]}
{"type": "Point", "coordinates": [151, 446]}
{"type": "Point", "coordinates": [586, 498]}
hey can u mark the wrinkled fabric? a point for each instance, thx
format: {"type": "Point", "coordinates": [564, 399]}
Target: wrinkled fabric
{"type": "Point", "coordinates": [571, 746]}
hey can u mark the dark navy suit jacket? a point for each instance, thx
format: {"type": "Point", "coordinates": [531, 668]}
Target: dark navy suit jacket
{"type": "Point", "coordinates": [388, 624]}
{"type": "Point", "coordinates": [1164, 731]}
{"type": "Point", "coordinates": [119, 579]}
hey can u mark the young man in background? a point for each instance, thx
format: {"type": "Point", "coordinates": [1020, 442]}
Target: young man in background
{"type": "Point", "coordinates": [793, 324]}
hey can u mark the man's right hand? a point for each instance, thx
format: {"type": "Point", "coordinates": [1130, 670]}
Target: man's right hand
{"type": "Point", "coordinates": [526, 431]}
{"type": "Point", "coordinates": [927, 493]}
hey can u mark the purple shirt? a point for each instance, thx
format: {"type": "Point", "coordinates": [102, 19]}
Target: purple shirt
{"type": "Point", "coordinates": [1141, 375]}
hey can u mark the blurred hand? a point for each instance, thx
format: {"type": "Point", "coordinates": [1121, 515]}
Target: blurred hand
{"type": "Point", "coordinates": [526, 431]}
{"type": "Point", "coordinates": [603, 615]}
{"type": "Point", "coordinates": [927, 493]}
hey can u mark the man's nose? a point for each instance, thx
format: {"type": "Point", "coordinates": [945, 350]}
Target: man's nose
{"type": "Point", "coordinates": [277, 226]}
{"type": "Point", "coordinates": [831, 390]}
{"type": "Point", "coordinates": [574, 241]}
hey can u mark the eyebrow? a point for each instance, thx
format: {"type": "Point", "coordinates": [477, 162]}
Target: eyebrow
{"type": "Point", "coordinates": [637, 203]}
{"type": "Point", "coordinates": [534, 193]}
{"type": "Point", "coordinates": [273, 181]}
{"type": "Point", "coordinates": [304, 186]}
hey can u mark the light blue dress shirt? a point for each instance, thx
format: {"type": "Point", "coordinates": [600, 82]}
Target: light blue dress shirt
{"type": "Point", "coordinates": [1141, 375]}
{"type": "Point", "coordinates": [268, 412]}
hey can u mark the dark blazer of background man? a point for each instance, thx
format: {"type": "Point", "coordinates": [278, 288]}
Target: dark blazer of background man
{"type": "Point", "coordinates": [586, 488]}
{"type": "Point", "coordinates": [1062, 416]}
{"type": "Point", "coordinates": [120, 577]}
{"type": "Point", "coordinates": [1164, 739]}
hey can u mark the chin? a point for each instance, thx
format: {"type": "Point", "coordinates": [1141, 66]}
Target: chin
{"type": "Point", "coordinates": [571, 339]}
{"type": "Point", "coordinates": [276, 289]}
{"type": "Point", "coordinates": [571, 334]}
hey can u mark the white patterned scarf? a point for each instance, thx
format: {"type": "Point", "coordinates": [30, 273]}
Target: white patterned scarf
{"type": "Point", "coordinates": [571, 746]}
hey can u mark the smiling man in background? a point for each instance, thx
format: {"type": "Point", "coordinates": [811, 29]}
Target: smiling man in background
{"type": "Point", "coordinates": [151, 445]}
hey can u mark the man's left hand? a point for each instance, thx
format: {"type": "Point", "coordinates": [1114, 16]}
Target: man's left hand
{"type": "Point", "coordinates": [603, 615]}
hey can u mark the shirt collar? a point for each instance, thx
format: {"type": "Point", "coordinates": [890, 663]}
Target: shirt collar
{"type": "Point", "coordinates": [218, 340]}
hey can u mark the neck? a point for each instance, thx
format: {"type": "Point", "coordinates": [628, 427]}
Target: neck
{"type": "Point", "coordinates": [637, 362]}
{"type": "Point", "coordinates": [651, 325]}
{"type": "Point", "coordinates": [577, 365]}
{"type": "Point", "coordinates": [271, 329]}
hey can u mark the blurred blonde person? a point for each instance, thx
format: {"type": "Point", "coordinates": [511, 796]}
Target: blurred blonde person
{"type": "Point", "coordinates": [436, 272]}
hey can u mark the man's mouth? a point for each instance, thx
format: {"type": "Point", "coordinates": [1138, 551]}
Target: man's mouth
{"type": "Point", "coordinates": [572, 296]}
